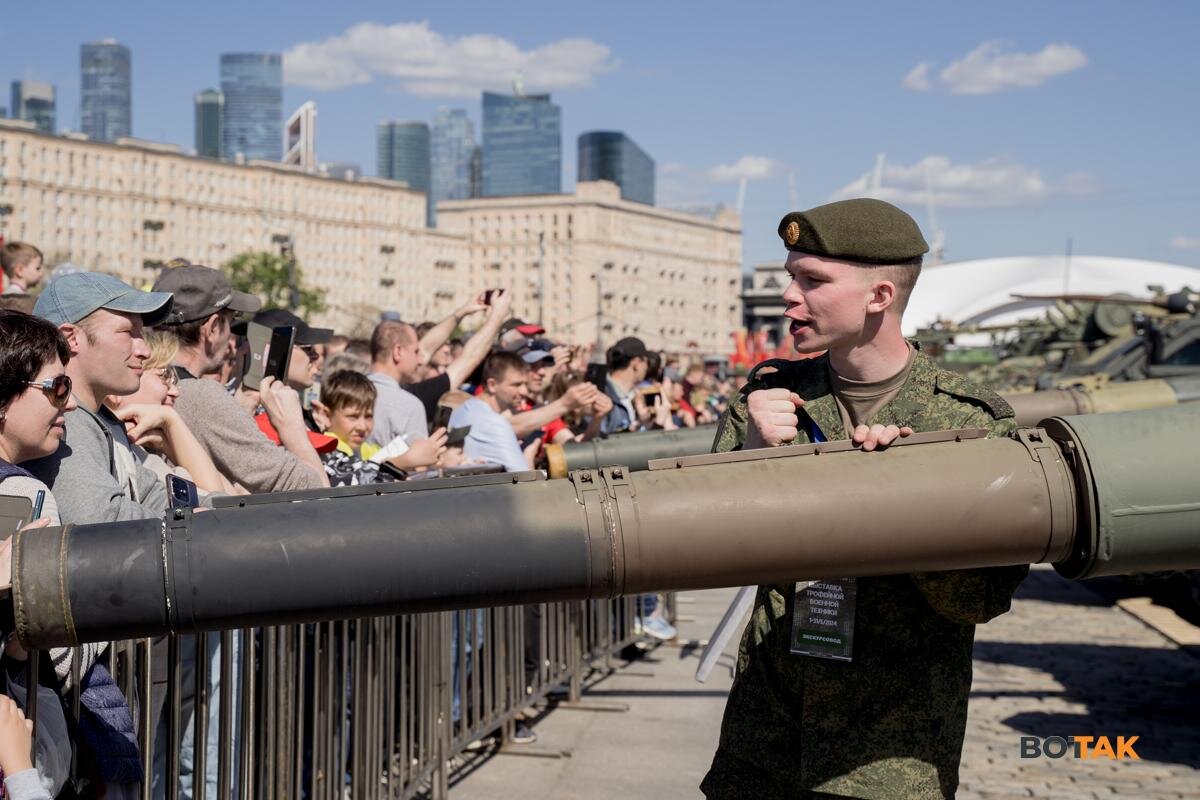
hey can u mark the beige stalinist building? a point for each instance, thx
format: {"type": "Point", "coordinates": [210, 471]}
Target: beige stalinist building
{"type": "Point", "coordinates": [672, 279]}
{"type": "Point", "coordinates": [129, 207]}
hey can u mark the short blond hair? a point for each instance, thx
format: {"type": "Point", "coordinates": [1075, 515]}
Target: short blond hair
{"type": "Point", "coordinates": [163, 348]}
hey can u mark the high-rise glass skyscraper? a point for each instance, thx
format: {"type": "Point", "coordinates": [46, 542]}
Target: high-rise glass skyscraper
{"type": "Point", "coordinates": [402, 154]}
{"type": "Point", "coordinates": [34, 102]}
{"type": "Point", "coordinates": [210, 111]}
{"type": "Point", "coordinates": [451, 149]}
{"type": "Point", "coordinates": [105, 90]}
{"type": "Point", "coordinates": [253, 119]}
{"type": "Point", "coordinates": [613, 156]}
{"type": "Point", "coordinates": [522, 145]}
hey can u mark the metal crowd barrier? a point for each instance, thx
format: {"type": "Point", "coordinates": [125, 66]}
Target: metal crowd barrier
{"type": "Point", "coordinates": [366, 709]}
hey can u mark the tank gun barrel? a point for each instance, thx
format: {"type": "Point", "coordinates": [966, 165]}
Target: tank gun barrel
{"type": "Point", "coordinates": [636, 450]}
{"type": "Point", "coordinates": [632, 450]}
{"type": "Point", "coordinates": [1099, 494]}
{"type": "Point", "coordinates": [1033, 407]}
{"type": "Point", "coordinates": [1181, 302]}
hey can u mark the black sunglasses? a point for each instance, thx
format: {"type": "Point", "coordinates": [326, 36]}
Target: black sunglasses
{"type": "Point", "coordinates": [57, 389]}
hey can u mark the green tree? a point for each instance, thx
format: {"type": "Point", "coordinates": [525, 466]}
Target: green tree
{"type": "Point", "coordinates": [265, 274]}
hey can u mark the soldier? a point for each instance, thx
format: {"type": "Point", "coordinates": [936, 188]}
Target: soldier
{"type": "Point", "coordinates": [874, 706]}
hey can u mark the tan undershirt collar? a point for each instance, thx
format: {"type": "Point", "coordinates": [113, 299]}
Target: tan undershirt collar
{"type": "Point", "coordinates": [859, 401]}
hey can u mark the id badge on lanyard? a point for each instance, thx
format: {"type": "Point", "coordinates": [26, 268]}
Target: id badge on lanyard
{"type": "Point", "coordinates": [823, 611]}
{"type": "Point", "coordinates": [823, 619]}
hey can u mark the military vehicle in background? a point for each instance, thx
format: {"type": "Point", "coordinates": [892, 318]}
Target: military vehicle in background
{"type": "Point", "coordinates": [1082, 340]}
{"type": "Point", "coordinates": [1083, 343]}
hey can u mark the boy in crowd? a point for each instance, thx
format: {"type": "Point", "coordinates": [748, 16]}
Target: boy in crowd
{"type": "Point", "coordinates": [22, 267]}
{"type": "Point", "coordinates": [348, 407]}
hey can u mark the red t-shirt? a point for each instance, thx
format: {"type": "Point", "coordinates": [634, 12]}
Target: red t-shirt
{"type": "Point", "coordinates": [551, 429]}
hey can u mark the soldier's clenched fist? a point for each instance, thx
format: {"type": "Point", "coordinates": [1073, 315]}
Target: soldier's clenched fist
{"type": "Point", "coordinates": [773, 418]}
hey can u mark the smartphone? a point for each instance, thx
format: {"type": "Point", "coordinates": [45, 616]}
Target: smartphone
{"type": "Point", "coordinates": [456, 436]}
{"type": "Point", "coordinates": [597, 375]}
{"type": "Point", "coordinates": [270, 352]}
{"type": "Point", "coordinates": [181, 492]}
{"type": "Point", "coordinates": [487, 297]}
{"type": "Point", "coordinates": [441, 418]}
{"type": "Point", "coordinates": [15, 513]}
{"type": "Point", "coordinates": [651, 395]}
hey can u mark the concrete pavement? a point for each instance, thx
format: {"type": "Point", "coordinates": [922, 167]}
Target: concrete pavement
{"type": "Point", "coordinates": [1065, 661]}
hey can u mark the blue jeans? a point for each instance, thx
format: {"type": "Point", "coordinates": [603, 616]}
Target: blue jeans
{"type": "Point", "coordinates": [187, 755]}
{"type": "Point", "coordinates": [474, 620]}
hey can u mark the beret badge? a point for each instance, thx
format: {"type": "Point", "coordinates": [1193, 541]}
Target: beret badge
{"type": "Point", "coordinates": [791, 234]}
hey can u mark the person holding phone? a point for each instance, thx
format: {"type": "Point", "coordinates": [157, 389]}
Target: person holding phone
{"type": "Point", "coordinates": [205, 312]}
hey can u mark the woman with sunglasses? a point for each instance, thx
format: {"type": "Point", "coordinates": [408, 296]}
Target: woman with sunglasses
{"type": "Point", "coordinates": [34, 393]}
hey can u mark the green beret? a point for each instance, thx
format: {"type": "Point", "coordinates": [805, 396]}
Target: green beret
{"type": "Point", "coordinates": [865, 230]}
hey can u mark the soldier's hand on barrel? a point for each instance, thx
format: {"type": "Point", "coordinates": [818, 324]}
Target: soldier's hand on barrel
{"type": "Point", "coordinates": [773, 418]}
{"type": "Point", "coordinates": [873, 436]}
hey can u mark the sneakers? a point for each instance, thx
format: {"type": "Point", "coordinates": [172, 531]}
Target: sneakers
{"type": "Point", "coordinates": [523, 734]}
{"type": "Point", "coordinates": [658, 628]}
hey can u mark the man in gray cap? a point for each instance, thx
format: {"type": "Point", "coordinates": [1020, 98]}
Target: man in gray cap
{"type": "Point", "coordinates": [206, 309]}
{"type": "Point", "coordinates": [880, 709]}
{"type": "Point", "coordinates": [93, 474]}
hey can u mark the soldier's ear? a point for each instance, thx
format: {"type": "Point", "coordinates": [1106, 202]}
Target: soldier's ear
{"type": "Point", "coordinates": [883, 295]}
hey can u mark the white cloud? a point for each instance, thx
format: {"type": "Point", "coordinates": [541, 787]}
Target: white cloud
{"type": "Point", "coordinates": [993, 66]}
{"type": "Point", "coordinates": [917, 78]}
{"type": "Point", "coordinates": [753, 168]}
{"type": "Point", "coordinates": [1186, 243]}
{"type": "Point", "coordinates": [686, 188]}
{"type": "Point", "coordinates": [994, 183]}
{"type": "Point", "coordinates": [432, 65]}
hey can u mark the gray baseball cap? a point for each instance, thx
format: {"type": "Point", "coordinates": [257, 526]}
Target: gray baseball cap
{"type": "Point", "coordinates": [201, 292]}
{"type": "Point", "coordinates": [533, 355]}
{"type": "Point", "coordinates": [72, 297]}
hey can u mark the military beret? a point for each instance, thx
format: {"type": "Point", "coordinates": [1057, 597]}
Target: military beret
{"type": "Point", "coordinates": [864, 229]}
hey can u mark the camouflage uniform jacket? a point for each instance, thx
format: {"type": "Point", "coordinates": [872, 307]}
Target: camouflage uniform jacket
{"type": "Point", "coordinates": [889, 724]}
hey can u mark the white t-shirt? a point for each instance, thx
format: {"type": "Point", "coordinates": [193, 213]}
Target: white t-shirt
{"type": "Point", "coordinates": [491, 437]}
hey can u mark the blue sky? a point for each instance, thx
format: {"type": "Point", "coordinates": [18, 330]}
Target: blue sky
{"type": "Point", "coordinates": [1031, 122]}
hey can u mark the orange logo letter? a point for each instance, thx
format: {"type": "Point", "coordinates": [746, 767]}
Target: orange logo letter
{"type": "Point", "coordinates": [1081, 745]}
{"type": "Point", "coordinates": [1125, 748]}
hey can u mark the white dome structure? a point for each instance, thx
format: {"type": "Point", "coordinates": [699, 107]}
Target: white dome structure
{"type": "Point", "coordinates": [981, 292]}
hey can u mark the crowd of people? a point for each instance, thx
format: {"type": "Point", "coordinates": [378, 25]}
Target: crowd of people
{"type": "Point", "coordinates": [114, 397]}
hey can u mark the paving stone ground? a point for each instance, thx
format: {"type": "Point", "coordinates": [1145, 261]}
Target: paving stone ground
{"type": "Point", "coordinates": [1065, 661]}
